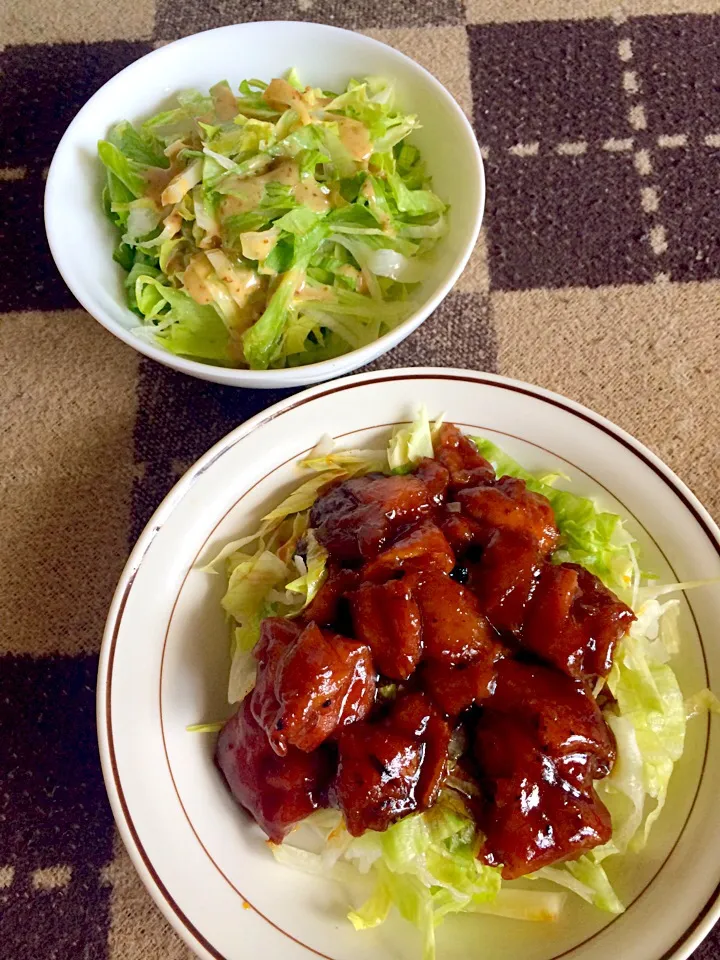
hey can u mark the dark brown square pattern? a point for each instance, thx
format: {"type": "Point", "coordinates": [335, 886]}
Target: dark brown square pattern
{"type": "Point", "coordinates": [541, 90]}
{"type": "Point", "coordinates": [554, 219]}
{"type": "Point", "coordinates": [178, 419]}
{"type": "Point", "coordinates": [53, 810]}
{"type": "Point", "coordinates": [41, 89]}
{"type": "Point", "coordinates": [689, 210]}
{"type": "Point", "coordinates": [678, 63]}
{"type": "Point", "coordinates": [559, 221]}
{"type": "Point", "coordinates": [546, 81]}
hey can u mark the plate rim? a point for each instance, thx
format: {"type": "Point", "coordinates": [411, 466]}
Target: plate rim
{"type": "Point", "coordinates": [696, 931]}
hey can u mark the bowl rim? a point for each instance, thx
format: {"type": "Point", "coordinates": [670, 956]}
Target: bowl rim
{"type": "Point", "coordinates": [325, 369]}
{"type": "Point", "coordinates": [709, 914]}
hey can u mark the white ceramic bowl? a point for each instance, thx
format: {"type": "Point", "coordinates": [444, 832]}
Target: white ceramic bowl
{"type": "Point", "coordinates": [82, 240]}
{"type": "Point", "coordinates": [164, 665]}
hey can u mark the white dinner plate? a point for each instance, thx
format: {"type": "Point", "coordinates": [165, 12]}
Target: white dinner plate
{"type": "Point", "coordinates": [164, 665]}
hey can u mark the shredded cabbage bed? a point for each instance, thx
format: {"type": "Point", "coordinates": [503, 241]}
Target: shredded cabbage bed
{"type": "Point", "coordinates": [425, 866]}
{"type": "Point", "coordinates": [277, 226]}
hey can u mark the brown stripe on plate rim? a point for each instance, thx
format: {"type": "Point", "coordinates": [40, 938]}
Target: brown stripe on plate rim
{"type": "Point", "coordinates": [476, 379]}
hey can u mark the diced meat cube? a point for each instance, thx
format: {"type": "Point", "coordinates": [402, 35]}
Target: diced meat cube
{"type": "Point", "coordinates": [541, 741]}
{"type": "Point", "coordinates": [509, 505]}
{"type": "Point", "coordinates": [387, 618]}
{"type": "Point", "coordinates": [325, 608]}
{"type": "Point", "coordinates": [477, 477]}
{"type": "Point", "coordinates": [547, 615]}
{"type": "Point", "coordinates": [435, 477]}
{"type": "Point", "coordinates": [401, 497]}
{"type": "Point", "coordinates": [350, 529]}
{"type": "Point", "coordinates": [355, 519]}
{"type": "Point", "coordinates": [309, 685]}
{"type": "Point", "coordinates": [602, 617]}
{"type": "Point", "coordinates": [454, 629]}
{"type": "Point", "coordinates": [455, 688]}
{"type": "Point", "coordinates": [567, 720]}
{"type": "Point", "coordinates": [391, 768]}
{"type": "Point", "coordinates": [414, 713]}
{"type": "Point", "coordinates": [532, 819]}
{"type": "Point", "coordinates": [460, 456]}
{"type": "Point", "coordinates": [277, 791]}
{"type": "Point", "coordinates": [505, 578]}
{"type": "Point", "coordinates": [498, 760]}
{"type": "Point", "coordinates": [574, 621]}
{"type": "Point", "coordinates": [377, 777]}
{"type": "Point", "coordinates": [276, 635]}
{"type": "Point", "coordinates": [276, 632]}
{"type": "Point", "coordinates": [423, 547]}
{"type": "Point", "coordinates": [462, 532]}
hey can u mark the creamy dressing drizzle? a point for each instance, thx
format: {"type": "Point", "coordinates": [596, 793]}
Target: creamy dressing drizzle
{"type": "Point", "coordinates": [226, 106]}
{"type": "Point", "coordinates": [354, 136]}
{"type": "Point", "coordinates": [250, 192]}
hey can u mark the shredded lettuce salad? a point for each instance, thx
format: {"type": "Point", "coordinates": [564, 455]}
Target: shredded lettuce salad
{"type": "Point", "coordinates": [277, 226]}
{"type": "Point", "coordinates": [425, 865]}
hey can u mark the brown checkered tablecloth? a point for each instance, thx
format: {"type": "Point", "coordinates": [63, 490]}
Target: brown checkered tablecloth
{"type": "Point", "coordinates": [596, 275]}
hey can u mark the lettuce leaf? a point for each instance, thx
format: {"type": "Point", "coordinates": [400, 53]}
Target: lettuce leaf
{"type": "Point", "coordinates": [411, 443]}
{"type": "Point", "coordinates": [534, 905]}
{"type": "Point", "coordinates": [587, 879]}
{"type": "Point", "coordinates": [262, 339]}
{"type": "Point", "coordinates": [187, 328]}
{"type": "Point", "coordinates": [126, 170]}
{"type": "Point", "coordinates": [648, 697]}
{"type": "Point", "coordinates": [308, 584]}
{"type": "Point", "coordinates": [140, 147]}
{"type": "Point", "coordinates": [426, 867]}
{"type": "Point", "coordinates": [251, 578]}
{"type": "Point", "coordinates": [325, 457]}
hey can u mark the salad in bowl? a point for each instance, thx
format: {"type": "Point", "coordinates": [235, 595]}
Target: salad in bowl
{"type": "Point", "coordinates": [272, 226]}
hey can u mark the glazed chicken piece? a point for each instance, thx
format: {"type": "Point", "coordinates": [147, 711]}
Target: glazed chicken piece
{"type": "Point", "coordinates": [461, 458]}
{"type": "Point", "coordinates": [392, 767]}
{"type": "Point", "coordinates": [505, 578]}
{"type": "Point", "coordinates": [278, 792]}
{"type": "Point", "coordinates": [421, 548]}
{"type": "Point", "coordinates": [540, 743]}
{"type": "Point", "coordinates": [324, 608]}
{"type": "Point", "coordinates": [415, 715]}
{"type": "Point", "coordinates": [567, 719]}
{"type": "Point", "coordinates": [532, 820]}
{"type": "Point", "coordinates": [355, 519]}
{"type": "Point", "coordinates": [436, 478]}
{"type": "Point", "coordinates": [461, 531]}
{"type": "Point", "coordinates": [387, 618]}
{"type": "Point", "coordinates": [455, 688]}
{"type": "Point", "coordinates": [454, 629]}
{"type": "Point", "coordinates": [309, 682]}
{"type": "Point", "coordinates": [574, 621]}
{"type": "Point", "coordinates": [509, 505]}
{"type": "Point", "coordinates": [377, 778]}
